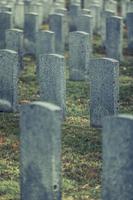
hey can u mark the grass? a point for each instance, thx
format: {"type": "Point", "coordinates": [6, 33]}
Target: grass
{"type": "Point", "coordinates": [81, 144]}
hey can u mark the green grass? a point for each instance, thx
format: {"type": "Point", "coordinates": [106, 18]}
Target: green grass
{"type": "Point", "coordinates": [81, 144]}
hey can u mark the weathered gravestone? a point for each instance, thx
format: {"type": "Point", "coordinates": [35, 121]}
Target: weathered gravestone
{"type": "Point", "coordinates": [117, 158]}
{"type": "Point", "coordinates": [74, 12]}
{"type": "Point", "coordinates": [45, 44]}
{"type": "Point", "coordinates": [104, 89]}
{"type": "Point", "coordinates": [86, 11]}
{"type": "Point", "coordinates": [57, 25]}
{"type": "Point", "coordinates": [96, 13]}
{"type": "Point", "coordinates": [114, 37]}
{"type": "Point", "coordinates": [105, 15]}
{"type": "Point", "coordinates": [5, 23]}
{"type": "Point", "coordinates": [36, 7]}
{"type": "Point", "coordinates": [52, 81]}
{"type": "Point", "coordinates": [9, 77]}
{"type": "Point", "coordinates": [79, 54]}
{"type": "Point", "coordinates": [40, 137]}
{"type": "Point", "coordinates": [85, 24]}
{"type": "Point", "coordinates": [112, 5]}
{"type": "Point", "coordinates": [129, 6]}
{"type": "Point", "coordinates": [14, 41]}
{"type": "Point", "coordinates": [66, 28]}
{"type": "Point", "coordinates": [19, 14]}
{"type": "Point", "coordinates": [129, 21]}
{"type": "Point", "coordinates": [31, 27]}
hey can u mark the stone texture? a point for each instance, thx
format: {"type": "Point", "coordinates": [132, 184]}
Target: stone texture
{"type": "Point", "coordinates": [45, 43]}
{"type": "Point", "coordinates": [114, 38]}
{"type": "Point", "coordinates": [85, 24]}
{"type": "Point", "coordinates": [104, 89]}
{"type": "Point", "coordinates": [5, 23]}
{"type": "Point", "coordinates": [52, 81]}
{"type": "Point", "coordinates": [19, 14]}
{"type": "Point", "coordinates": [74, 12]}
{"type": "Point", "coordinates": [57, 25]}
{"type": "Point", "coordinates": [40, 151]}
{"type": "Point", "coordinates": [31, 27]}
{"type": "Point", "coordinates": [117, 158]}
{"type": "Point", "coordinates": [112, 5]}
{"type": "Point", "coordinates": [105, 15]}
{"type": "Point", "coordinates": [9, 77]}
{"type": "Point", "coordinates": [14, 41]}
{"type": "Point", "coordinates": [96, 14]}
{"type": "Point", "coordinates": [129, 21]}
{"type": "Point", "coordinates": [79, 55]}
{"type": "Point", "coordinates": [5, 106]}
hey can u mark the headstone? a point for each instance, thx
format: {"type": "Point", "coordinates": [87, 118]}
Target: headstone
{"type": "Point", "coordinates": [9, 77]}
{"type": "Point", "coordinates": [5, 23]}
{"type": "Point", "coordinates": [45, 44]}
{"type": "Point", "coordinates": [114, 38]}
{"type": "Point", "coordinates": [104, 89]}
{"type": "Point", "coordinates": [124, 7]}
{"type": "Point", "coordinates": [66, 28]}
{"type": "Point", "coordinates": [79, 54]}
{"type": "Point", "coordinates": [96, 14]}
{"type": "Point", "coordinates": [105, 15]}
{"type": "Point", "coordinates": [117, 145]}
{"type": "Point", "coordinates": [130, 7]}
{"type": "Point", "coordinates": [14, 41]}
{"type": "Point", "coordinates": [74, 12]}
{"type": "Point", "coordinates": [112, 5]}
{"type": "Point", "coordinates": [52, 81]}
{"type": "Point", "coordinates": [56, 24]}
{"type": "Point", "coordinates": [129, 22]}
{"type": "Point", "coordinates": [85, 24]}
{"type": "Point", "coordinates": [31, 27]}
{"type": "Point", "coordinates": [19, 14]}
{"type": "Point", "coordinates": [40, 151]}
{"type": "Point", "coordinates": [86, 11]}
{"type": "Point", "coordinates": [37, 8]}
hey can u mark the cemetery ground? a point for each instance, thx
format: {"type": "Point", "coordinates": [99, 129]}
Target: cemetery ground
{"type": "Point", "coordinates": [81, 144]}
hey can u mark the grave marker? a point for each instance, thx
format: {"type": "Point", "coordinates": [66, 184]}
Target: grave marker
{"type": "Point", "coordinates": [104, 89]}
{"type": "Point", "coordinates": [40, 151]}
{"type": "Point", "coordinates": [117, 157]}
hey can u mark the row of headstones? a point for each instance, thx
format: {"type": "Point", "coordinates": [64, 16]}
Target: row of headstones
{"type": "Point", "coordinates": [112, 41]}
{"type": "Point", "coordinates": [41, 154]}
{"type": "Point", "coordinates": [80, 20]}
{"type": "Point", "coordinates": [43, 8]}
{"type": "Point", "coordinates": [19, 8]}
{"type": "Point", "coordinates": [103, 76]}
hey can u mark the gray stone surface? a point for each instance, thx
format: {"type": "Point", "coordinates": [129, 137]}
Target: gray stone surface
{"type": "Point", "coordinates": [85, 24]}
{"type": "Point", "coordinates": [79, 55]}
{"type": "Point", "coordinates": [40, 137]}
{"type": "Point", "coordinates": [45, 44]}
{"type": "Point", "coordinates": [19, 14]}
{"type": "Point", "coordinates": [5, 23]}
{"type": "Point", "coordinates": [66, 27]}
{"type": "Point", "coordinates": [74, 12]}
{"type": "Point", "coordinates": [57, 25]}
{"type": "Point", "coordinates": [5, 106]}
{"type": "Point", "coordinates": [112, 5]}
{"type": "Point", "coordinates": [104, 89]}
{"type": "Point", "coordinates": [129, 22]}
{"type": "Point", "coordinates": [114, 38]}
{"type": "Point", "coordinates": [14, 41]}
{"type": "Point", "coordinates": [117, 158]}
{"type": "Point", "coordinates": [9, 77]}
{"type": "Point", "coordinates": [31, 27]}
{"type": "Point", "coordinates": [105, 15]}
{"type": "Point", "coordinates": [96, 14]}
{"type": "Point", "coordinates": [52, 80]}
